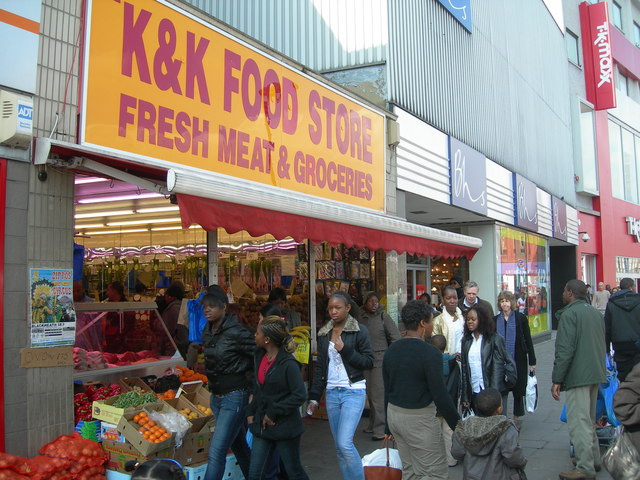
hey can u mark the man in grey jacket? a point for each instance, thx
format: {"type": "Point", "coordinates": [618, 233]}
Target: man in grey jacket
{"type": "Point", "coordinates": [578, 369]}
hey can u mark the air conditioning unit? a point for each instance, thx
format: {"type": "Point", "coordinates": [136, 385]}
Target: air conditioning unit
{"type": "Point", "coordinates": [16, 120]}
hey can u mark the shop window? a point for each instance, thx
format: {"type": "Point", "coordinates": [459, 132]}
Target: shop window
{"type": "Point", "coordinates": [587, 159]}
{"type": "Point", "coordinates": [573, 51]}
{"type": "Point", "coordinates": [629, 167]}
{"type": "Point", "coordinates": [622, 83]}
{"type": "Point", "coordinates": [524, 272]}
{"type": "Point", "coordinates": [615, 151]}
{"type": "Point", "coordinates": [616, 10]}
{"type": "Point", "coordinates": [636, 34]}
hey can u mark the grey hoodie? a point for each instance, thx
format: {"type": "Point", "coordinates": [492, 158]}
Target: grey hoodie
{"type": "Point", "coordinates": [488, 447]}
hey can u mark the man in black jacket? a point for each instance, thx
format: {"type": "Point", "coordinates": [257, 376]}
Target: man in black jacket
{"type": "Point", "coordinates": [471, 298]}
{"type": "Point", "coordinates": [622, 323]}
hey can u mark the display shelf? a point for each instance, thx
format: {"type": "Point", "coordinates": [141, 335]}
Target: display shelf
{"type": "Point", "coordinates": [109, 375]}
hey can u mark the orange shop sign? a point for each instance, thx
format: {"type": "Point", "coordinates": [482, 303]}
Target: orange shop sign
{"type": "Point", "coordinates": [169, 88]}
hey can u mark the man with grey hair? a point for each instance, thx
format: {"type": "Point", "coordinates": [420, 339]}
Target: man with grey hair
{"type": "Point", "coordinates": [471, 298]}
{"type": "Point", "coordinates": [578, 369]}
{"type": "Point", "coordinates": [622, 325]}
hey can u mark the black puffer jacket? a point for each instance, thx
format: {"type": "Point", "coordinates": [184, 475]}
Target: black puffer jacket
{"type": "Point", "coordinates": [280, 397]}
{"type": "Point", "coordinates": [494, 356]}
{"type": "Point", "coordinates": [356, 354]}
{"type": "Point", "coordinates": [622, 326]}
{"type": "Point", "coordinates": [228, 356]}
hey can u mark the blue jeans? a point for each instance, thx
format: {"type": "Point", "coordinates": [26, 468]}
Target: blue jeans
{"type": "Point", "coordinates": [229, 412]}
{"type": "Point", "coordinates": [344, 409]}
{"type": "Point", "coordinates": [289, 451]}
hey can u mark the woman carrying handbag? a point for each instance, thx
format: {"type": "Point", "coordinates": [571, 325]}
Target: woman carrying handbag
{"type": "Point", "coordinates": [485, 361]}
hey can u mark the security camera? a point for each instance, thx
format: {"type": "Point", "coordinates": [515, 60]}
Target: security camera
{"type": "Point", "coordinates": [585, 237]}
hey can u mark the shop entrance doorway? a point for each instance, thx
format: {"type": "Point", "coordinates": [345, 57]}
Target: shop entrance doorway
{"type": "Point", "coordinates": [418, 281]}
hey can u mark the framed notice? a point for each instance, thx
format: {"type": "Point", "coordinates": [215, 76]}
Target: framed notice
{"type": "Point", "coordinates": [51, 313]}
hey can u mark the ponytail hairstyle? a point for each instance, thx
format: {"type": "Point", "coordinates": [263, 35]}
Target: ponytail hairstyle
{"type": "Point", "coordinates": [276, 329]}
{"type": "Point", "coordinates": [158, 469]}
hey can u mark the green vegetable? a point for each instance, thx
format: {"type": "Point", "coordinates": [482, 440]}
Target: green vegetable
{"type": "Point", "coordinates": [134, 399]}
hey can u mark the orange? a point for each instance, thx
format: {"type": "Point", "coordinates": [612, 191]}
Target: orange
{"type": "Point", "coordinates": [150, 423]}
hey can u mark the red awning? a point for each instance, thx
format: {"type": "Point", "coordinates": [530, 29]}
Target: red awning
{"type": "Point", "coordinates": [233, 217]}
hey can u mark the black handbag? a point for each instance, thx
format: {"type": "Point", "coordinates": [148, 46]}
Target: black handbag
{"type": "Point", "coordinates": [510, 373]}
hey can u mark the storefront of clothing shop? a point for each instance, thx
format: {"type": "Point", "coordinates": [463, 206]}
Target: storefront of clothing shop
{"type": "Point", "coordinates": [449, 185]}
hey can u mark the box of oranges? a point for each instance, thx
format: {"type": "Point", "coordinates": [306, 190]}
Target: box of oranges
{"type": "Point", "coordinates": [143, 433]}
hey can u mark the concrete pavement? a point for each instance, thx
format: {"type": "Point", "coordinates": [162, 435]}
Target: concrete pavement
{"type": "Point", "coordinates": [544, 437]}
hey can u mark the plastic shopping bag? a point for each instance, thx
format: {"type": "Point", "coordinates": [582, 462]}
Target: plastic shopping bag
{"type": "Point", "coordinates": [532, 393]}
{"type": "Point", "coordinates": [622, 460]}
{"type": "Point", "coordinates": [608, 390]}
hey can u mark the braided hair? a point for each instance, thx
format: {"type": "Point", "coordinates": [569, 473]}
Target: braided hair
{"type": "Point", "coordinates": [276, 329]}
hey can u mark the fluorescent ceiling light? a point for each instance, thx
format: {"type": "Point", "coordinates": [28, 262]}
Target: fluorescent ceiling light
{"type": "Point", "coordinates": [84, 180]}
{"type": "Point", "coordinates": [115, 198]}
{"type": "Point", "coordinates": [112, 213]}
{"type": "Point", "coordinates": [172, 208]}
{"type": "Point", "coordinates": [159, 229]}
{"type": "Point", "coordinates": [144, 221]}
{"type": "Point", "coordinates": [93, 225]}
{"type": "Point", "coordinates": [116, 232]}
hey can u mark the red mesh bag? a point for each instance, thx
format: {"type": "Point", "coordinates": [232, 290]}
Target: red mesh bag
{"type": "Point", "coordinates": [9, 474]}
{"type": "Point", "coordinates": [8, 461]}
{"type": "Point", "coordinates": [43, 467]}
{"type": "Point", "coordinates": [77, 449]}
{"type": "Point", "coordinates": [91, 473]}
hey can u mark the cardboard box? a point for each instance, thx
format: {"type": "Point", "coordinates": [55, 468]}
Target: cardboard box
{"type": "Point", "coordinates": [129, 429]}
{"type": "Point", "coordinates": [197, 423]}
{"type": "Point", "coordinates": [194, 448]}
{"type": "Point", "coordinates": [232, 470]}
{"type": "Point", "coordinates": [129, 383]}
{"type": "Point", "coordinates": [89, 430]}
{"type": "Point", "coordinates": [195, 472]}
{"type": "Point", "coordinates": [105, 411]}
{"type": "Point", "coordinates": [121, 453]}
{"type": "Point", "coordinates": [109, 431]}
{"type": "Point", "coordinates": [196, 393]}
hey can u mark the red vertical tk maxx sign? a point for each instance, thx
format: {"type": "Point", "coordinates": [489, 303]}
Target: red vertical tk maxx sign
{"type": "Point", "coordinates": [598, 61]}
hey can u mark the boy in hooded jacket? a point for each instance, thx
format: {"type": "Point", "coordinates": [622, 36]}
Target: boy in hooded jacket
{"type": "Point", "coordinates": [488, 444]}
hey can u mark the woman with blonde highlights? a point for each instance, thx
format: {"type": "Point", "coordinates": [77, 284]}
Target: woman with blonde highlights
{"type": "Point", "coordinates": [274, 412]}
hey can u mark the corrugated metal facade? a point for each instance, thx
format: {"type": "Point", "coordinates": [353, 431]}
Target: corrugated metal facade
{"type": "Point", "coordinates": [423, 159]}
{"type": "Point", "coordinates": [499, 193]}
{"type": "Point", "coordinates": [502, 89]}
{"type": "Point", "coordinates": [58, 70]}
{"type": "Point", "coordinates": [321, 34]}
